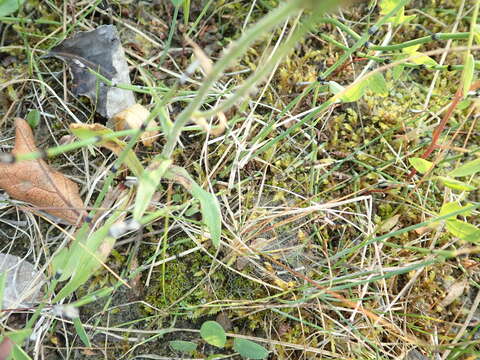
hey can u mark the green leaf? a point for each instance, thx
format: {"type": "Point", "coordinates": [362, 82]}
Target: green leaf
{"type": "Point", "coordinates": [211, 215]}
{"type": "Point", "coordinates": [249, 349]}
{"type": "Point", "coordinates": [418, 57]}
{"type": "Point", "coordinates": [467, 75]}
{"type": "Point", "coordinates": [33, 118]}
{"type": "Point", "coordinates": [451, 207]}
{"type": "Point", "coordinates": [455, 184]}
{"type": "Point", "coordinates": [377, 84]}
{"type": "Point", "coordinates": [462, 229]}
{"type": "Point", "coordinates": [399, 17]}
{"type": "Point", "coordinates": [8, 7]}
{"type": "Point", "coordinates": [184, 346]}
{"type": "Point", "coordinates": [212, 332]}
{"type": "Point", "coordinates": [19, 354]}
{"type": "Point", "coordinates": [177, 2]}
{"type": "Point", "coordinates": [467, 169]}
{"type": "Point", "coordinates": [81, 332]}
{"type": "Point", "coordinates": [473, 237]}
{"type": "Point", "coordinates": [421, 165]}
{"type": "Point", "coordinates": [397, 71]}
{"type": "Point", "coordinates": [349, 94]}
{"type": "Point", "coordinates": [148, 184]}
{"type": "Point", "coordinates": [335, 87]}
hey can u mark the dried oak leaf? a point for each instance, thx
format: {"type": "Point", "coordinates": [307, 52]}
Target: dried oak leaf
{"type": "Point", "coordinates": [35, 182]}
{"type": "Point", "coordinates": [98, 50]}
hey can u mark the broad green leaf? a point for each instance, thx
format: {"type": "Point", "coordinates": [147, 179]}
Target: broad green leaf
{"type": "Point", "coordinates": [461, 229]}
{"type": "Point", "coordinates": [377, 84]}
{"type": "Point", "coordinates": [455, 184]}
{"type": "Point", "coordinates": [473, 237]}
{"type": "Point", "coordinates": [399, 17]}
{"type": "Point", "coordinates": [8, 7]}
{"type": "Point", "coordinates": [86, 131]}
{"type": "Point", "coordinates": [421, 165]}
{"type": "Point", "coordinates": [33, 118]}
{"type": "Point", "coordinates": [411, 49]}
{"type": "Point", "coordinates": [397, 71]}
{"type": "Point", "coordinates": [418, 57]}
{"type": "Point", "coordinates": [451, 207]}
{"type": "Point", "coordinates": [350, 94]}
{"type": "Point", "coordinates": [467, 75]}
{"type": "Point", "coordinates": [148, 184]}
{"type": "Point", "coordinates": [467, 169]}
{"type": "Point", "coordinates": [354, 92]}
{"type": "Point", "coordinates": [209, 206]}
{"type": "Point", "coordinates": [184, 346]}
{"type": "Point", "coordinates": [81, 332]}
{"type": "Point", "coordinates": [177, 2]}
{"type": "Point", "coordinates": [3, 280]}
{"type": "Point", "coordinates": [212, 332]}
{"type": "Point", "coordinates": [249, 349]}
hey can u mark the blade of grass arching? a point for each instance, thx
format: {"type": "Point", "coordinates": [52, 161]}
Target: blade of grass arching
{"type": "Point", "coordinates": [236, 50]}
{"type": "Point", "coordinates": [82, 334]}
{"type": "Point", "coordinates": [3, 280]}
{"type": "Point", "coordinates": [298, 34]}
{"type": "Point", "coordinates": [121, 158]}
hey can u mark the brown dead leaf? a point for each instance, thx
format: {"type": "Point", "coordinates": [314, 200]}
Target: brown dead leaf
{"type": "Point", "coordinates": [35, 182]}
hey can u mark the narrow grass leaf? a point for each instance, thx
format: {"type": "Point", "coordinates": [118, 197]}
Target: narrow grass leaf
{"type": "Point", "coordinates": [183, 346]}
{"type": "Point", "coordinates": [212, 332]}
{"type": "Point", "coordinates": [81, 332]}
{"type": "Point", "coordinates": [467, 169]}
{"type": "Point", "coordinates": [249, 349]}
{"type": "Point", "coordinates": [455, 184]}
{"type": "Point", "coordinates": [421, 165]}
{"type": "Point", "coordinates": [467, 75]}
